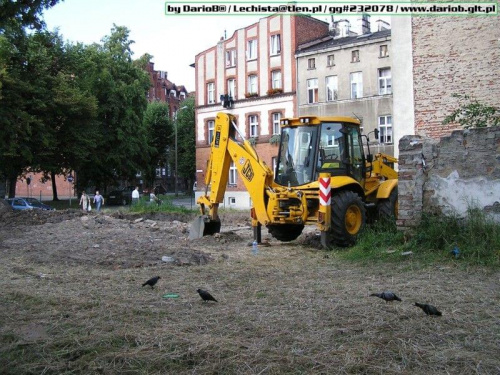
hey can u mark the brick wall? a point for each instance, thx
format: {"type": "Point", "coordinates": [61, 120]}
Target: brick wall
{"type": "Point", "coordinates": [449, 175]}
{"type": "Point", "coordinates": [309, 28]}
{"type": "Point", "coordinates": [453, 55]}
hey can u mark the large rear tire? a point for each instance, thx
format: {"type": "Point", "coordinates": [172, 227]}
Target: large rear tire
{"type": "Point", "coordinates": [285, 232]}
{"type": "Point", "coordinates": [348, 218]}
{"type": "Point", "coordinates": [388, 208]}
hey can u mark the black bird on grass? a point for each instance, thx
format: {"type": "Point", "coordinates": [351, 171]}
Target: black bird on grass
{"type": "Point", "coordinates": [429, 309]}
{"type": "Point", "coordinates": [151, 282]}
{"type": "Point", "coordinates": [386, 296]}
{"type": "Point", "coordinates": [205, 295]}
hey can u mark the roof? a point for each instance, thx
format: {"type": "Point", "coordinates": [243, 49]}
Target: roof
{"type": "Point", "coordinates": [330, 42]}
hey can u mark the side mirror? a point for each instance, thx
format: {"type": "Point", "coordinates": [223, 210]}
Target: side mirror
{"type": "Point", "coordinates": [376, 133]}
{"type": "Point", "coordinates": [369, 158]}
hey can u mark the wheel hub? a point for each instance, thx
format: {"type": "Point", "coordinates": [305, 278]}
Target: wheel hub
{"type": "Point", "coordinates": [353, 219]}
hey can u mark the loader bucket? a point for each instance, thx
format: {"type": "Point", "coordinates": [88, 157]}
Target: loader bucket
{"type": "Point", "coordinates": [203, 226]}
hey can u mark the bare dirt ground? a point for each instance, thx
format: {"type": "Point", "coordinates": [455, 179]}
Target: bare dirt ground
{"type": "Point", "coordinates": [71, 301]}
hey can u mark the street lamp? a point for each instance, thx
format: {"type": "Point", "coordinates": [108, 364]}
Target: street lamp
{"type": "Point", "coordinates": [175, 128]}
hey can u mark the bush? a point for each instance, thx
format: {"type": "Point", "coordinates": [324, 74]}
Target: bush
{"type": "Point", "coordinates": [166, 205]}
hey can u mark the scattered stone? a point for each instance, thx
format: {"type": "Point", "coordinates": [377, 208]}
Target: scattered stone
{"type": "Point", "coordinates": [96, 246]}
{"type": "Point", "coordinates": [167, 259]}
{"type": "Point", "coordinates": [138, 220]}
{"type": "Point", "coordinates": [407, 253]}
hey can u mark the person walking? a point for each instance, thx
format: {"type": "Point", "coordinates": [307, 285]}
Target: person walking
{"type": "Point", "coordinates": [98, 200]}
{"type": "Point", "coordinates": [135, 195]}
{"type": "Point", "coordinates": [84, 201]}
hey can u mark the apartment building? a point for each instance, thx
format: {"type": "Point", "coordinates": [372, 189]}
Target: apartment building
{"type": "Point", "coordinates": [255, 71]}
{"type": "Point", "coordinates": [348, 73]}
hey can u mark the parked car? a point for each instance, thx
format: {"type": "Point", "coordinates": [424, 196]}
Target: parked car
{"type": "Point", "coordinates": [28, 204]}
{"type": "Point", "coordinates": [117, 197]}
{"type": "Point", "coordinates": [121, 196]}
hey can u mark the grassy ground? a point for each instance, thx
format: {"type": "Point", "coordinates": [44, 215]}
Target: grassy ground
{"type": "Point", "coordinates": [291, 309]}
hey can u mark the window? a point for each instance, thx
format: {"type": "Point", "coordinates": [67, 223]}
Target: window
{"type": "Point", "coordinates": [356, 85]}
{"type": "Point", "coordinates": [384, 81]}
{"type": "Point", "coordinates": [158, 172]}
{"type": "Point", "coordinates": [210, 125]}
{"type": "Point", "coordinates": [275, 44]}
{"type": "Point", "coordinates": [211, 93]}
{"type": "Point", "coordinates": [252, 49]}
{"type": "Point", "coordinates": [312, 90]}
{"type": "Point", "coordinates": [355, 56]}
{"type": "Point", "coordinates": [231, 88]}
{"type": "Point", "coordinates": [331, 84]}
{"type": "Point", "coordinates": [311, 63]}
{"type": "Point", "coordinates": [276, 79]}
{"type": "Point", "coordinates": [231, 200]}
{"type": "Point", "coordinates": [253, 123]}
{"type": "Point", "coordinates": [384, 51]}
{"type": "Point", "coordinates": [330, 60]}
{"type": "Point", "coordinates": [233, 174]}
{"type": "Point", "coordinates": [252, 84]}
{"type": "Point", "coordinates": [385, 129]}
{"type": "Point", "coordinates": [276, 123]}
{"type": "Point", "coordinates": [182, 95]}
{"type": "Point", "coordinates": [230, 58]}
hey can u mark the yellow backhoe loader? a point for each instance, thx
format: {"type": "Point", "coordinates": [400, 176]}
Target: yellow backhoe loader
{"type": "Point", "coordinates": [322, 177]}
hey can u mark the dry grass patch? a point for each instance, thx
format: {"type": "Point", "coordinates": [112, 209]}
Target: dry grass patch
{"type": "Point", "coordinates": [289, 309]}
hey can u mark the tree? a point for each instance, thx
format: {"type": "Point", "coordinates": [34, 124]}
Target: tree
{"type": "Point", "coordinates": [186, 142]}
{"type": "Point", "coordinates": [159, 128]}
{"type": "Point", "coordinates": [120, 88]}
{"type": "Point", "coordinates": [41, 107]}
{"type": "Point", "coordinates": [23, 13]}
{"type": "Point", "coordinates": [473, 114]}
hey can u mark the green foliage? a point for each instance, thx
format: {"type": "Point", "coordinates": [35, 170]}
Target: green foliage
{"type": "Point", "coordinates": [473, 114]}
{"type": "Point", "coordinates": [145, 206]}
{"type": "Point", "coordinates": [119, 87]}
{"type": "Point", "coordinates": [159, 128]}
{"type": "Point", "coordinates": [186, 141]}
{"type": "Point", "coordinates": [476, 236]}
{"type": "Point", "coordinates": [23, 13]}
{"type": "Point", "coordinates": [275, 139]}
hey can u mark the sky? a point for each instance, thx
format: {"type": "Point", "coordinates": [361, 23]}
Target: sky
{"type": "Point", "coordinates": [174, 41]}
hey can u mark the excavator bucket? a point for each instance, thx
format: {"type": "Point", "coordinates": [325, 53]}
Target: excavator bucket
{"type": "Point", "coordinates": [203, 226]}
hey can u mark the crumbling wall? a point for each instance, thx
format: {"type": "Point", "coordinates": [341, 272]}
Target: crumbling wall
{"type": "Point", "coordinates": [449, 176]}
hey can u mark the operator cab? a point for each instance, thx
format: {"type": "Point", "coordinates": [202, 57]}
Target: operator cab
{"type": "Point", "coordinates": [312, 145]}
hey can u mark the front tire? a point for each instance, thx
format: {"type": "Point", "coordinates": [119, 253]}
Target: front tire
{"type": "Point", "coordinates": [388, 208]}
{"type": "Point", "coordinates": [348, 218]}
{"type": "Point", "coordinates": [285, 232]}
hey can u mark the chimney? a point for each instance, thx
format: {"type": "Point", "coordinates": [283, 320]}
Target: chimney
{"type": "Point", "coordinates": [382, 25]}
{"type": "Point", "coordinates": [365, 24]}
{"type": "Point", "coordinates": [344, 27]}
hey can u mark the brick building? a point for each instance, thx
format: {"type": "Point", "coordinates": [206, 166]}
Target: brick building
{"type": "Point", "coordinates": [256, 68]}
{"type": "Point", "coordinates": [349, 74]}
{"type": "Point", "coordinates": [436, 57]}
{"type": "Point", "coordinates": [164, 90]}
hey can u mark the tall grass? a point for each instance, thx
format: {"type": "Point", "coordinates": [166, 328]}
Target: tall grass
{"type": "Point", "coordinates": [167, 205]}
{"type": "Point", "coordinates": [476, 236]}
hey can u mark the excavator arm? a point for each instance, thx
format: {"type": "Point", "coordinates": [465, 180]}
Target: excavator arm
{"type": "Point", "coordinates": [255, 174]}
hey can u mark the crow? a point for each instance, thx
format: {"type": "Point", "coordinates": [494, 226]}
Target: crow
{"type": "Point", "coordinates": [205, 295]}
{"type": "Point", "coordinates": [429, 309]}
{"type": "Point", "coordinates": [151, 282]}
{"type": "Point", "coordinates": [386, 296]}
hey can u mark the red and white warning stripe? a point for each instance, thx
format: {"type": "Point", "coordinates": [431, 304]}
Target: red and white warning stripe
{"type": "Point", "coordinates": [325, 191]}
